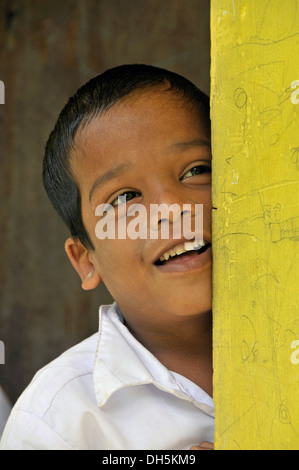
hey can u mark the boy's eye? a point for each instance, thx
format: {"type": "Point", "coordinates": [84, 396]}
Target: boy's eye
{"type": "Point", "coordinates": [197, 170]}
{"type": "Point", "coordinates": [124, 197]}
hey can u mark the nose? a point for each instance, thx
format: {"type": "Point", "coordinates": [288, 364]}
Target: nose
{"type": "Point", "coordinates": [166, 203]}
{"type": "Point", "coordinates": [169, 207]}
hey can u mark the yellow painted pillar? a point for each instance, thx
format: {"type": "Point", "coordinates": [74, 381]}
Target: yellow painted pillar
{"type": "Point", "coordinates": [255, 116]}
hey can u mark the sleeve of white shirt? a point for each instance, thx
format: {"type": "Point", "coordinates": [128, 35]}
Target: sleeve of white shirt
{"type": "Point", "coordinates": [22, 424]}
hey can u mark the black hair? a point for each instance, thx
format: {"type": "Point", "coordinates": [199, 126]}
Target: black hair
{"type": "Point", "coordinates": [91, 100]}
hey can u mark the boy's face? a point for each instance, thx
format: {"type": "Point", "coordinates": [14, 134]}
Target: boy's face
{"type": "Point", "coordinates": [155, 148]}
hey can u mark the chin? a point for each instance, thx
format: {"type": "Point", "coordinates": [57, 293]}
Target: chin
{"type": "Point", "coordinates": [194, 305]}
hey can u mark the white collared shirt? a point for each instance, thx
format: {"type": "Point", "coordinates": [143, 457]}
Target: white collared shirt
{"type": "Point", "coordinates": [109, 393]}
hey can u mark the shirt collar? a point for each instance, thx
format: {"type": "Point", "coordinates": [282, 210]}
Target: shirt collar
{"type": "Point", "coordinates": [121, 361]}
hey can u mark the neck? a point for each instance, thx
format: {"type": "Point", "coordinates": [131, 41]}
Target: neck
{"type": "Point", "coordinates": [183, 346]}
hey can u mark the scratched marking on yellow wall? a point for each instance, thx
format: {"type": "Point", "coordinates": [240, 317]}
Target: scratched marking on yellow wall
{"type": "Point", "coordinates": [255, 114]}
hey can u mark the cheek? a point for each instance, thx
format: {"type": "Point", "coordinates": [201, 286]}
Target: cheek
{"type": "Point", "coordinates": [117, 263]}
{"type": "Point", "coordinates": [207, 212]}
{"type": "Point", "coordinates": [207, 219]}
{"type": "Point", "coordinates": [207, 198]}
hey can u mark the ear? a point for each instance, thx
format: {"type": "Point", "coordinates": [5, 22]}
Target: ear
{"type": "Point", "coordinates": [80, 259]}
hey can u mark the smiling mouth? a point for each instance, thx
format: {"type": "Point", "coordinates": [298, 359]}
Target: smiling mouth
{"type": "Point", "coordinates": [183, 252]}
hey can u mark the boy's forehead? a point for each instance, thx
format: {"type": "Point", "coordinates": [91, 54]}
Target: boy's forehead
{"type": "Point", "coordinates": [139, 116]}
{"type": "Point", "coordinates": [142, 130]}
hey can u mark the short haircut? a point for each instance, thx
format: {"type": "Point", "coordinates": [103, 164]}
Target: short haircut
{"type": "Point", "coordinates": [90, 101]}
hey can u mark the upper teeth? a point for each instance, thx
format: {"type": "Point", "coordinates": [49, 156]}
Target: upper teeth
{"type": "Point", "coordinates": [179, 249]}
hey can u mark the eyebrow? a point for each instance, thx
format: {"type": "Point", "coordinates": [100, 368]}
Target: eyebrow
{"type": "Point", "coordinates": [109, 175]}
{"type": "Point", "coordinates": [190, 144]}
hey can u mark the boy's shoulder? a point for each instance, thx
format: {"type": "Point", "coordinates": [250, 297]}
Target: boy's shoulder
{"type": "Point", "coordinates": [69, 375]}
{"type": "Point", "coordinates": [51, 402]}
{"type": "Point", "coordinates": [74, 365]}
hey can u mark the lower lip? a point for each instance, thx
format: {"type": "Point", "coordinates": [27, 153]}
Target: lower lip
{"type": "Point", "coordinates": [187, 263]}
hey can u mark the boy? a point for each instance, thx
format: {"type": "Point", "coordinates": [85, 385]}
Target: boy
{"type": "Point", "coordinates": [136, 134]}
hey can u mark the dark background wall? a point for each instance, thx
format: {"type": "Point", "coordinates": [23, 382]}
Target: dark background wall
{"type": "Point", "coordinates": [48, 48]}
